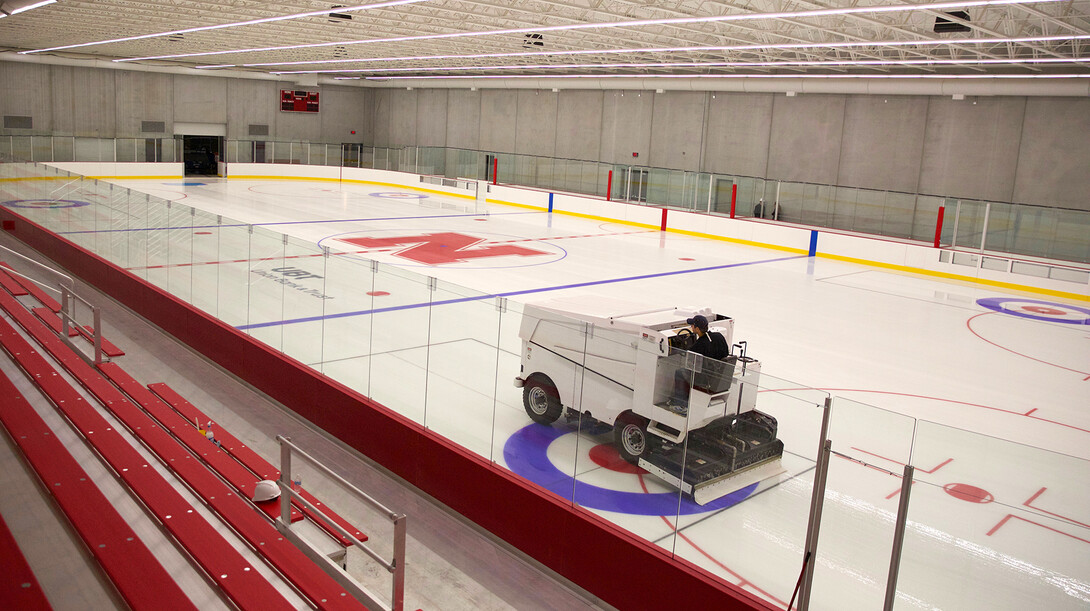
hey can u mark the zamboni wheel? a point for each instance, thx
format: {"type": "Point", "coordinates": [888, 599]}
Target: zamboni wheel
{"type": "Point", "coordinates": [541, 400]}
{"type": "Point", "coordinates": [630, 436]}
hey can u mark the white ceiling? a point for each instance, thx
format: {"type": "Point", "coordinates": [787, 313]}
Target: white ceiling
{"type": "Point", "coordinates": [614, 38]}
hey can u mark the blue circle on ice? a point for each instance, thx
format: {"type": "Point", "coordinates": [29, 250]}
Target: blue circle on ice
{"type": "Point", "coordinates": [1034, 309]}
{"type": "Point", "coordinates": [44, 203]}
{"type": "Point", "coordinates": [527, 454]}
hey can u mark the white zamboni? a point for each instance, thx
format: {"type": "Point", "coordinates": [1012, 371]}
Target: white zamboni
{"type": "Point", "coordinates": [600, 358]}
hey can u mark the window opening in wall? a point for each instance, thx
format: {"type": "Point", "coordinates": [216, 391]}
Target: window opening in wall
{"type": "Point", "coordinates": [350, 152]}
{"type": "Point", "coordinates": [637, 185]}
{"type": "Point", "coordinates": [201, 155]}
{"type": "Point", "coordinates": [722, 195]}
{"type": "Point", "coordinates": [153, 150]}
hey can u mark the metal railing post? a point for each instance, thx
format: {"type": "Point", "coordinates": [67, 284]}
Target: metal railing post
{"type": "Point", "coordinates": [96, 316]}
{"type": "Point", "coordinates": [285, 482]}
{"type": "Point", "coordinates": [398, 587]}
{"type": "Point", "coordinates": [898, 538]}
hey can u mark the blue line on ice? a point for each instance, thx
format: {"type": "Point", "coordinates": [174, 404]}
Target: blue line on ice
{"type": "Point", "coordinates": [561, 287]}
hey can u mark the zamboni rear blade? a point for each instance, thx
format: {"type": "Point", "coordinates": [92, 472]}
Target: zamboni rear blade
{"type": "Point", "coordinates": [718, 488]}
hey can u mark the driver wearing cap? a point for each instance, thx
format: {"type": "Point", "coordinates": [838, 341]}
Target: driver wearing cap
{"type": "Point", "coordinates": [712, 345]}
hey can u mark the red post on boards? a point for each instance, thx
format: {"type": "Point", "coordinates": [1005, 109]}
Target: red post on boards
{"type": "Point", "coordinates": [733, 199]}
{"type": "Point", "coordinates": [609, 187]}
{"type": "Point", "coordinates": [663, 226]}
{"type": "Point", "coordinates": [495, 168]}
{"type": "Point", "coordinates": [938, 225]}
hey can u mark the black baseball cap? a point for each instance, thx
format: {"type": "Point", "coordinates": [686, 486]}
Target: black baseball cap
{"type": "Point", "coordinates": [699, 321]}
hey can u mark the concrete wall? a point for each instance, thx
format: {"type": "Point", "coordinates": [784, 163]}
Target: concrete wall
{"type": "Point", "coordinates": [103, 103]}
{"type": "Point", "coordinates": [1026, 150]}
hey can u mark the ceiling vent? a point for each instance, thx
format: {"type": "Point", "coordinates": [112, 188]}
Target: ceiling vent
{"type": "Point", "coordinates": [945, 26]}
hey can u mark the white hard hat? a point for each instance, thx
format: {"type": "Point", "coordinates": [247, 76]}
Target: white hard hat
{"type": "Point", "coordinates": [266, 490]}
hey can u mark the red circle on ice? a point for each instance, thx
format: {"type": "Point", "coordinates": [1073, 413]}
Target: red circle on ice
{"type": "Point", "coordinates": [202, 233]}
{"type": "Point", "coordinates": [966, 492]}
{"type": "Point", "coordinates": [605, 455]}
{"type": "Point", "coordinates": [1044, 310]}
{"type": "Point", "coordinates": [686, 259]}
{"type": "Point", "coordinates": [377, 293]}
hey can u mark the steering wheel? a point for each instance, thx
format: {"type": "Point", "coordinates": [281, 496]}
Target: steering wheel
{"type": "Point", "coordinates": [683, 338]}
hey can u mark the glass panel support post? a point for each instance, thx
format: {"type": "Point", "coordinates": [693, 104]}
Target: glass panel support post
{"type": "Point", "coordinates": [957, 217]}
{"type": "Point", "coordinates": [821, 472]}
{"type": "Point", "coordinates": [898, 538]}
{"type": "Point", "coordinates": [711, 185]}
{"type": "Point", "coordinates": [984, 230]}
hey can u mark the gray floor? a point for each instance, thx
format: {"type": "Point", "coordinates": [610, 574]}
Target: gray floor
{"type": "Point", "coordinates": [452, 564]}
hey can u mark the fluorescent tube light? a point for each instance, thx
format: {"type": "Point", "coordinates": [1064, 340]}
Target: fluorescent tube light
{"type": "Point", "coordinates": [221, 26]}
{"type": "Point", "coordinates": [897, 8]}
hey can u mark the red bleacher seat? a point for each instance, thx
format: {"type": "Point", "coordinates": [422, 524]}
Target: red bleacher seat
{"type": "Point", "coordinates": [130, 565]}
{"type": "Point", "coordinates": [52, 319]}
{"type": "Point", "coordinates": [227, 467]}
{"type": "Point", "coordinates": [8, 281]}
{"type": "Point", "coordinates": [308, 577]}
{"type": "Point", "coordinates": [245, 455]}
{"type": "Point", "coordinates": [33, 289]}
{"type": "Point", "coordinates": [19, 588]}
{"type": "Point", "coordinates": [233, 573]}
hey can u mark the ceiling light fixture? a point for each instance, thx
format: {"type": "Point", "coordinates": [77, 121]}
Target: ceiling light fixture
{"type": "Point", "coordinates": [808, 45]}
{"type": "Point", "coordinates": [341, 9]}
{"type": "Point", "coordinates": [897, 8]}
{"type": "Point", "coordinates": [738, 76]}
{"type": "Point", "coordinates": [21, 9]}
{"type": "Point", "coordinates": [772, 64]}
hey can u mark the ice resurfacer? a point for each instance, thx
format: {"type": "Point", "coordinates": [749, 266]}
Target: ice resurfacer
{"type": "Point", "coordinates": [599, 358]}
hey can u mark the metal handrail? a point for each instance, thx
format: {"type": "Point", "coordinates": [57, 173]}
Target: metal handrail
{"type": "Point", "coordinates": [396, 565]}
{"type": "Point", "coordinates": [67, 278]}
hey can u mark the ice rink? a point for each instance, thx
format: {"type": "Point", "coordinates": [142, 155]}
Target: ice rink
{"type": "Point", "coordinates": [986, 393]}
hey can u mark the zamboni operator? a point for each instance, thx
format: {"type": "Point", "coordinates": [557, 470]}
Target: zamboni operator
{"type": "Point", "coordinates": [708, 344]}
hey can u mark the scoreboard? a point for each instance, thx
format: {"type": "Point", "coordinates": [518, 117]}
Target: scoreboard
{"type": "Point", "coordinates": [298, 101]}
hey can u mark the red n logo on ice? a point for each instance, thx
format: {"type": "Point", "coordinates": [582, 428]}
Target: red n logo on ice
{"type": "Point", "coordinates": [439, 248]}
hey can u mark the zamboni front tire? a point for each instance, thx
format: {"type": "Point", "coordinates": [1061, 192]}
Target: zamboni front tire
{"type": "Point", "coordinates": [631, 437]}
{"type": "Point", "coordinates": [541, 400]}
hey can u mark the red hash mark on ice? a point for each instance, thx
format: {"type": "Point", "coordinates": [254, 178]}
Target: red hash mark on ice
{"type": "Point", "coordinates": [447, 247]}
{"type": "Point", "coordinates": [1011, 515]}
{"type": "Point", "coordinates": [1028, 503]}
{"type": "Point", "coordinates": [1039, 493]}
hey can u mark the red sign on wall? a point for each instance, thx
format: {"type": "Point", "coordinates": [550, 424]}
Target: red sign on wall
{"type": "Point", "coordinates": [298, 101]}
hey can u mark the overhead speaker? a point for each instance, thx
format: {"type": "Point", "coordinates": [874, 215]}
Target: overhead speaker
{"type": "Point", "coordinates": [946, 26]}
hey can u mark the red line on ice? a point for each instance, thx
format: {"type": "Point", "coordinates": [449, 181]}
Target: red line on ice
{"type": "Point", "coordinates": [742, 581]}
{"type": "Point", "coordinates": [968, 323]}
{"type": "Point", "coordinates": [903, 394]}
